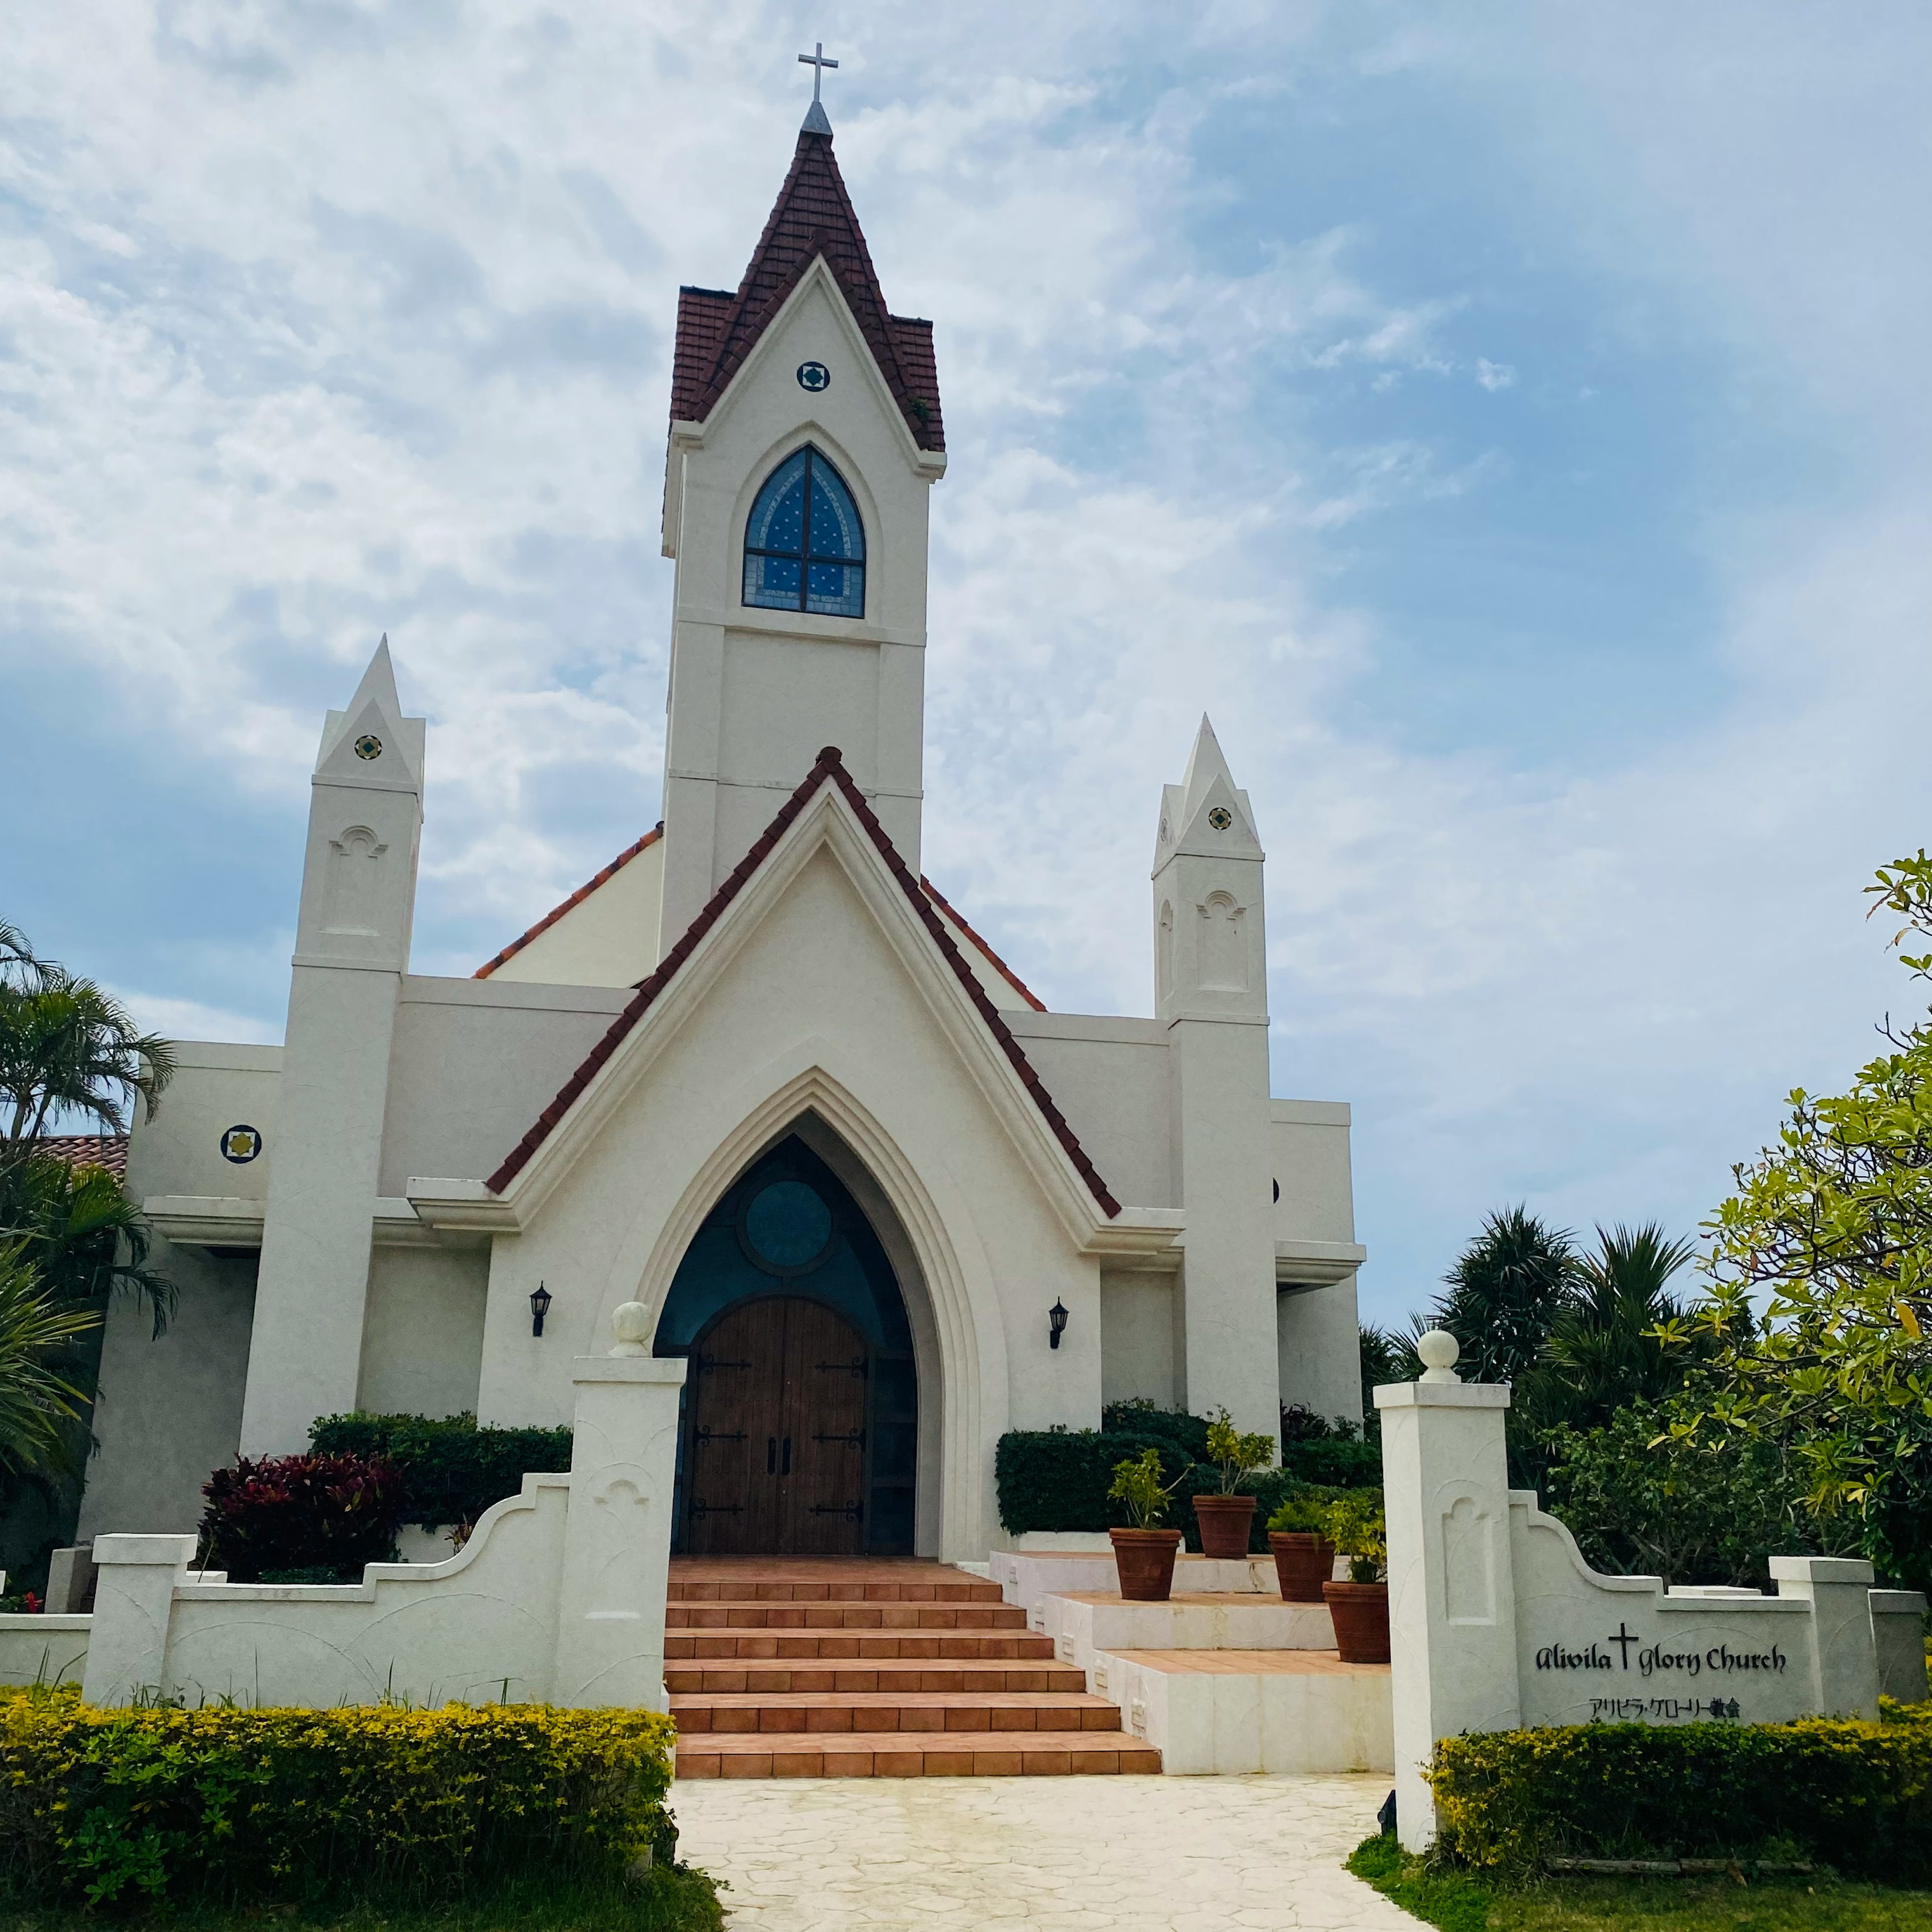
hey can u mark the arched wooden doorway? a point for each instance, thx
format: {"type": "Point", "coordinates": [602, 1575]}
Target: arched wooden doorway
{"type": "Point", "coordinates": [799, 1428]}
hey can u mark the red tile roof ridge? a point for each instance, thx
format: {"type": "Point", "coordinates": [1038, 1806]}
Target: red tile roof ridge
{"type": "Point", "coordinates": [812, 217]}
{"type": "Point", "coordinates": [107, 1150]}
{"type": "Point", "coordinates": [999, 965]}
{"type": "Point", "coordinates": [828, 768]}
{"type": "Point", "coordinates": [582, 892]}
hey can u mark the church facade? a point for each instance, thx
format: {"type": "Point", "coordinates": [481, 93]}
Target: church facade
{"type": "Point", "coordinates": [758, 1075]}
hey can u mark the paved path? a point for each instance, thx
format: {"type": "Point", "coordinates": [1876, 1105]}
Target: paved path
{"type": "Point", "coordinates": [1037, 1854]}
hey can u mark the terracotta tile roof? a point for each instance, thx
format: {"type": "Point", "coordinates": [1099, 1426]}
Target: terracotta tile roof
{"type": "Point", "coordinates": [812, 217]}
{"type": "Point", "coordinates": [107, 1150]}
{"type": "Point", "coordinates": [999, 965]}
{"type": "Point", "coordinates": [582, 892]}
{"type": "Point", "coordinates": [829, 769]}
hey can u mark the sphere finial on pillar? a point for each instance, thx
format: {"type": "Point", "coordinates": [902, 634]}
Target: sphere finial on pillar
{"type": "Point", "coordinates": [630, 1321]}
{"type": "Point", "coordinates": [1438, 1349]}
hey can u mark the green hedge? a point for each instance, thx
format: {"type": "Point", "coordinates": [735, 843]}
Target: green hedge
{"type": "Point", "coordinates": [371, 1803]}
{"type": "Point", "coordinates": [1855, 1795]}
{"type": "Point", "coordinates": [452, 1471]}
{"type": "Point", "coordinates": [1058, 1479]}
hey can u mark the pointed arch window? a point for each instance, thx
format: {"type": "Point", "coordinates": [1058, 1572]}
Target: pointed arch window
{"type": "Point", "coordinates": [805, 547]}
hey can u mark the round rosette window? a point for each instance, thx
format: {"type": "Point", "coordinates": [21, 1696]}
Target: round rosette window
{"type": "Point", "coordinates": [788, 1228]}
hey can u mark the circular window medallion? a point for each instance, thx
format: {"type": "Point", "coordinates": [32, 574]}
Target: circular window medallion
{"type": "Point", "coordinates": [240, 1145]}
{"type": "Point", "coordinates": [1220, 818]}
{"type": "Point", "coordinates": [815, 376]}
{"type": "Point", "coordinates": [788, 1228]}
{"type": "Point", "coordinates": [368, 745]}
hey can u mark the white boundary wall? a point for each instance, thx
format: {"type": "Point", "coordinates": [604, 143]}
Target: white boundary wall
{"type": "Point", "coordinates": [1498, 1623]}
{"type": "Point", "coordinates": [558, 1596]}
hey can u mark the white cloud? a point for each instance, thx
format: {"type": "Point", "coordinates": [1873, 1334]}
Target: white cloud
{"type": "Point", "coordinates": [333, 322]}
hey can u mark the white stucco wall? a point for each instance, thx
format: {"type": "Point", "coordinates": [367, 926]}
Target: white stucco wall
{"type": "Point", "coordinates": [177, 1149]}
{"type": "Point", "coordinates": [608, 938]}
{"type": "Point", "coordinates": [476, 1061]}
{"type": "Point", "coordinates": [1137, 1337]}
{"type": "Point", "coordinates": [1110, 1077]}
{"type": "Point", "coordinates": [422, 1342]}
{"type": "Point", "coordinates": [170, 1410]}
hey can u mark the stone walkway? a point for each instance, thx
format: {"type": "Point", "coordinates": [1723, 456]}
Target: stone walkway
{"type": "Point", "coordinates": [1038, 1854]}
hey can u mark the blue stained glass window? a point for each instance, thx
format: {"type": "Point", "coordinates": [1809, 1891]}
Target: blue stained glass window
{"type": "Point", "coordinates": [805, 546]}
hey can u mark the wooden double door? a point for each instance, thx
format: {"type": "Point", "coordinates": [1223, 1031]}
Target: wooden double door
{"type": "Point", "coordinates": [775, 1452]}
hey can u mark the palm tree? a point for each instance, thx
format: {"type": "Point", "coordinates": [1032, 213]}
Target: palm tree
{"type": "Point", "coordinates": [67, 1047]}
{"type": "Point", "coordinates": [1603, 1353]}
{"type": "Point", "coordinates": [40, 1405]}
{"type": "Point", "coordinates": [1506, 1291]}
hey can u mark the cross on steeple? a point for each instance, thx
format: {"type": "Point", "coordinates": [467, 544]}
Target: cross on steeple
{"type": "Point", "coordinates": [815, 122]}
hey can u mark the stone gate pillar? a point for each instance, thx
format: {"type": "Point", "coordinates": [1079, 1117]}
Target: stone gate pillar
{"type": "Point", "coordinates": [617, 1550]}
{"type": "Point", "coordinates": [1452, 1591]}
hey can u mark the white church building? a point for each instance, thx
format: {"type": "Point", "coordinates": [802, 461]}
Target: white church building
{"type": "Point", "coordinates": [758, 1075]}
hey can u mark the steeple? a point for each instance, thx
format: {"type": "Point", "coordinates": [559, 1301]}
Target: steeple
{"type": "Point", "coordinates": [1210, 946]}
{"type": "Point", "coordinates": [812, 217]}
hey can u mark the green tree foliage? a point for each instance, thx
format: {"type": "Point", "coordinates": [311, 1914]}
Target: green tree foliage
{"type": "Point", "coordinates": [1831, 1230]}
{"type": "Point", "coordinates": [68, 1047]}
{"type": "Point", "coordinates": [1505, 1294]}
{"type": "Point", "coordinates": [71, 1236]}
{"type": "Point", "coordinates": [39, 1403]}
{"type": "Point", "coordinates": [1642, 1502]}
{"type": "Point", "coordinates": [1604, 1350]}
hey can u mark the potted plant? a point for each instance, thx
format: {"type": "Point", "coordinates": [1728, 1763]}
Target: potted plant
{"type": "Point", "coordinates": [1144, 1553]}
{"type": "Point", "coordinates": [1359, 1531]}
{"type": "Point", "coordinates": [1224, 1516]}
{"type": "Point", "coordinates": [1304, 1558]}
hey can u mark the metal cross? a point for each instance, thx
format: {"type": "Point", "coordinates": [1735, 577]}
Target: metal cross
{"type": "Point", "coordinates": [817, 62]}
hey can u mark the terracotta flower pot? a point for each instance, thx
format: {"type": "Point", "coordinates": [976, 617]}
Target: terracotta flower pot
{"type": "Point", "coordinates": [1224, 1522]}
{"type": "Point", "coordinates": [1145, 1558]}
{"type": "Point", "coordinates": [1361, 1612]}
{"type": "Point", "coordinates": [1304, 1559]}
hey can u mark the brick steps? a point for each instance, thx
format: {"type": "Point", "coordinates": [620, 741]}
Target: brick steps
{"type": "Point", "coordinates": [917, 1754]}
{"type": "Point", "coordinates": [785, 1614]}
{"type": "Point", "coordinates": [950, 1645]}
{"type": "Point", "coordinates": [805, 1668]}
{"type": "Point", "coordinates": [782, 1678]}
{"type": "Point", "coordinates": [898, 1710]}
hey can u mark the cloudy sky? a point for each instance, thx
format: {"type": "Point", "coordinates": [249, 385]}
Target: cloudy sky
{"type": "Point", "coordinates": [1509, 423]}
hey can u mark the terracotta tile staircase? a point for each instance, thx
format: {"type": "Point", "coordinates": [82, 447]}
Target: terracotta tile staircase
{"type": "Point", "coordinates": [803, 1667]}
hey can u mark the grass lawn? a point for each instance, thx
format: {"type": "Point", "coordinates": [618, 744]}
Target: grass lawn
{"type": "Point", "coordinates": [675, 1899]}
{"type": "Point", "coordinates": [1601, 1904]}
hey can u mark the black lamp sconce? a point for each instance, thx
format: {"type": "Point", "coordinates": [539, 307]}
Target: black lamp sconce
{"type": "Point", "coordinates": [1056, 1318]}
{"type": "Point", "coordinates": [540, 1301]}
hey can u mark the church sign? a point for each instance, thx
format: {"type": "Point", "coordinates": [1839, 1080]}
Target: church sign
{"type": "Point", "coordinates": [1498, 1624]}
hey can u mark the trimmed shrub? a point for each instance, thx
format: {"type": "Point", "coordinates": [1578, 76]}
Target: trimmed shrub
{"type": "Point", "coordinates": [451, 1470]}
{"type": "Point", "coordinates": [372, 1803]}
{"type": "Point", "coordinates": [1856, 1796]}
{"type": "Point", "coordinates": [315, 1513]}
{"type": "Point", "coordinates": [1058, 1478]}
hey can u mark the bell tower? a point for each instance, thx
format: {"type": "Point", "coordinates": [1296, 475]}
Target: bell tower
{"type": "Point", "coordinates": [352, 950]}
{"type": "Point", "coordinates": [1210, 993]}
{"type": "Point", "coordinates": [805, 434]}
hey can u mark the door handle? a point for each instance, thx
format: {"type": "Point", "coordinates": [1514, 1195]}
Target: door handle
{"type": "Point", "coordinates": [771, 1455]}
{"type": "Point", "coordinates": [787, 1470]}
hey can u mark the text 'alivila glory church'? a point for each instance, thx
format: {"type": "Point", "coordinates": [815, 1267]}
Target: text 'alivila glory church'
{"type": "Point", "coordinates": [758, 1075]}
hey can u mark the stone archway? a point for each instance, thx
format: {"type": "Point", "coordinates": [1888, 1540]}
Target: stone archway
{"type": "Point", "coordinates": [798, 1433]}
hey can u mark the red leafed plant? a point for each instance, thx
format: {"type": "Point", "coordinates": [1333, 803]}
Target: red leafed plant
{"type": "Point", "coordinates": [308, 1513]}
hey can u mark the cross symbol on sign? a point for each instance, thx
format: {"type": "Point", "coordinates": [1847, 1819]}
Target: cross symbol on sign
{"type": "Point", "coordinates": [817, 62]}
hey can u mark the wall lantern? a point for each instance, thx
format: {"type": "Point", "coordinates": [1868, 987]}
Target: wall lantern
{"type": "Point", "coordinates": [1056, 1317]}
{"type": "Point", "coordinates": [540, 1301]}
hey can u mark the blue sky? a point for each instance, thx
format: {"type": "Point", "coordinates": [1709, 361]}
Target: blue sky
{"type": "Point", "coordinates": [1511, 428]}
